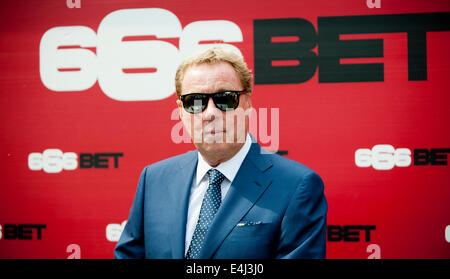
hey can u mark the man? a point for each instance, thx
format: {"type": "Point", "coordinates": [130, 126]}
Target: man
{"type": "Point", "coordinates": [229, 198]}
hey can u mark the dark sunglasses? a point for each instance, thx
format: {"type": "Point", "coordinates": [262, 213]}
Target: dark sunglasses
{"type": "Point", "coordinates": [224, 100]}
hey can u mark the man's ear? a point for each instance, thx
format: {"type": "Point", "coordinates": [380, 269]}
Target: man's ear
{"type": "Point", "coordinates": [248, 99]}
{"type": "Point", "coordinates": [180, 106]}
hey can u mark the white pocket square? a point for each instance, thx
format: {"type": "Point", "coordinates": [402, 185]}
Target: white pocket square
{"type": "Point", "coordinates": [241, 224]}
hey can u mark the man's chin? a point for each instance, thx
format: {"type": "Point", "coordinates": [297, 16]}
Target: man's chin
{"type": "Point", "coordinates": [215, 147]}
{"type": "Point", "coordinates": [211, 146]}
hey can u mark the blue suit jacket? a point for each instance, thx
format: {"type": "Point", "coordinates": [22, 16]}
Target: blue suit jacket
{"type": "Point", "coordinates": [275, 208]}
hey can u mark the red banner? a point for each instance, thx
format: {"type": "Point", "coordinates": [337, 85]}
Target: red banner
{"type": "Point", "coordinates": [356, 90]}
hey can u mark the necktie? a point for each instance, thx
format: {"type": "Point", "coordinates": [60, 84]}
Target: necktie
{"type": "Point", "coordinates": [208, 210]}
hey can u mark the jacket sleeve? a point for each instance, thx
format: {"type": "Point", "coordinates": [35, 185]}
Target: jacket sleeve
{"type": "Point", "coordinates": [303, 228]}
{"type": "Point", "coordinates": [131, 242]}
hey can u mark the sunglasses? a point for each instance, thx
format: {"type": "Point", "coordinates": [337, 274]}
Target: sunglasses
{"type": "Point", "coordinates": [224, 100]}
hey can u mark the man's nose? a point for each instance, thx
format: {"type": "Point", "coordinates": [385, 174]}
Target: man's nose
{"type": "Point", "coordinates": [211, 112]}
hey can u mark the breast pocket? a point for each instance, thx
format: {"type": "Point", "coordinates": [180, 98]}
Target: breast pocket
{"type": "Point", "coordinates": [249, 242]}
{"type": "Point", "coordinates": [252, 230]}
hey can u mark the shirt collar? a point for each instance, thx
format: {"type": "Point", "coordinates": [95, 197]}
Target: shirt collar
{"type": "Point", "coordinates": [228, 168]}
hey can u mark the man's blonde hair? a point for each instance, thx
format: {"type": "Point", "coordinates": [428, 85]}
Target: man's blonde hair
{"type": "Point", "coordinates": [211, 56]}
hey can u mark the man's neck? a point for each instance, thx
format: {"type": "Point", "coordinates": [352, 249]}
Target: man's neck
{"type": "Point", "coordinates": [215, 159]}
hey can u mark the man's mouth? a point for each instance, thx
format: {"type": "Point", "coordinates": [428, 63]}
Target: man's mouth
{"type": "Point", "coordinates": [214, 132]}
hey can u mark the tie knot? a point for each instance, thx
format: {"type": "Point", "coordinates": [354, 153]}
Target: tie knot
{"type": "Point", "coordinates": [215, 177]}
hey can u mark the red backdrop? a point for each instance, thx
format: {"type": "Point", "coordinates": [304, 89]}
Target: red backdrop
{"type": "Point", "coordinates": [98, 88]}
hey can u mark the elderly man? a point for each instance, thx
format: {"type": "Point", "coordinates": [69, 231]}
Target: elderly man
{"type": "Point", "coordinates": [228, 199]}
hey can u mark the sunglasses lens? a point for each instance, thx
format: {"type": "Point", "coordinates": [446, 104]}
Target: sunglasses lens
{"type": "Point", "coordinates": [226, 100]}
{"type": "Point", "coordinates": [197, 102]}
{"type": "Point", "coordinates": [194, 103]}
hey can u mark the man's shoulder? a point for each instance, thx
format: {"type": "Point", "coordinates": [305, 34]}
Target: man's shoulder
{"type": "Point", "coordinates": [289, 168]}
{"type": "Point", "coordinates": [293, 176]}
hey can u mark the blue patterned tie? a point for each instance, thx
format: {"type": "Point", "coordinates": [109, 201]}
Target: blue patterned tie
{"type": "Point", "coordinates": [210, 205]}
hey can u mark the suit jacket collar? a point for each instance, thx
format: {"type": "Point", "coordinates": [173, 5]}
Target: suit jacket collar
{"type": "Point", "coordinates": [180, 190]}
{"type": "Point", "coordinates": [250, 182]}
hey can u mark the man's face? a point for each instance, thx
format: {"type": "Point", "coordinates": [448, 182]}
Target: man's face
{"type": "Point", "coordinates": [213, 131]}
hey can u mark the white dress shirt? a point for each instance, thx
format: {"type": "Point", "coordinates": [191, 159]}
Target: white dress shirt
{"type": "Point", "coordinates": [200, 184]}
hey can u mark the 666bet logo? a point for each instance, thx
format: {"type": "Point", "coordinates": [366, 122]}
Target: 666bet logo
{"type": "Point", "coordinates": [383, 157]}
{"type": "Point", "coordinates": [386, 157]}
{"type": "Point", "coordinates": [55, 160]}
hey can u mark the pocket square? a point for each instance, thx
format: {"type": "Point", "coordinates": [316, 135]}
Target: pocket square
{"type": "Point", "coordinates": [241, 224]}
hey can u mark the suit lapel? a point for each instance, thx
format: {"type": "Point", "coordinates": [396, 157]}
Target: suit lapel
{"type": "Point", "coordinates": [180, 191]}
{"type": "Point", "coordinates": [249, 184]}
